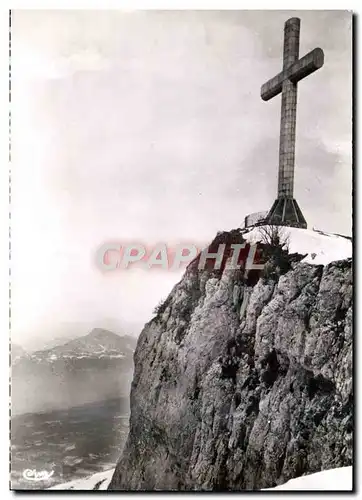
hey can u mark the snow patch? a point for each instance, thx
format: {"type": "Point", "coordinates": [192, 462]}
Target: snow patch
{"type": "Point", "coordinates": [327, 480]}
{"type": "Point", "coordinates": [99, 481]}
{"type": "Point", "coordinates": [321, 247]}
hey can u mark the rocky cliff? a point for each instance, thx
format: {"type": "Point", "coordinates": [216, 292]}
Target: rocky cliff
{"type": "Point", "coordinates": [243, 385]}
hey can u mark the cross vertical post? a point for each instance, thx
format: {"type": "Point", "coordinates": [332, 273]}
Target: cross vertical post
{"type": "Point", "coordinates": [288, 112]}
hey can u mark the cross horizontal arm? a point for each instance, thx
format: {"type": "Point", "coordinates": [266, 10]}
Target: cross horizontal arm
{"type": "Point", "coordinates": [300, 69]}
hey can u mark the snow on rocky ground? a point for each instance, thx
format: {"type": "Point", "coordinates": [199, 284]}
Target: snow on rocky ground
{"type": "Point", "coordinates": [327, 480]}
{"type": "Point", "coordinates": [321, 247]}
{"type": "Point", "coordinates": [98, 481]}
{"type": "Point", "coordinates": [333, 479]}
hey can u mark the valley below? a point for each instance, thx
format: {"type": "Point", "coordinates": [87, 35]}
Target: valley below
{"type": "Point", "coordinates": [69, 408]}
{"type": "Point", "coordinates": [69, 444]}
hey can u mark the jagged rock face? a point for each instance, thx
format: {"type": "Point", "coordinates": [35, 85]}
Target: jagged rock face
{"type": "Point", "coordinates": [242, 387]}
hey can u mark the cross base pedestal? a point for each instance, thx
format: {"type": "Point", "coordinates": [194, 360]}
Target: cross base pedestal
{"type": "Point", "coordinates": [286, 212]}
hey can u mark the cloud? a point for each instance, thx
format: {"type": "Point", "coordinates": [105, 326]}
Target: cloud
{"type": "Point", "coordinates": [30, 64]}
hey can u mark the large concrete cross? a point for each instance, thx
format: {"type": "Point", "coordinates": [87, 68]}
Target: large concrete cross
{"type": "Point", "coordinates": [285, 210]}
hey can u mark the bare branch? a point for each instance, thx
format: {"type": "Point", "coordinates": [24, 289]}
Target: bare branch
{"type": "Point", "coordinates": [275, 235]}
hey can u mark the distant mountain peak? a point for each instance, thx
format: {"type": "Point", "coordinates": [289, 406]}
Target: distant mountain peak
{"type": "Point", "coordinates": [99, 342]}
{"type": "Point", "coordinates": [94, 367]}
{"type": "Point", "coordinates": [103, 333]}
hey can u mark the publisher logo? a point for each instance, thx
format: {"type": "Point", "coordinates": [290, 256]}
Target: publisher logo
{"type": "Point", "coordinates": [34, 475]}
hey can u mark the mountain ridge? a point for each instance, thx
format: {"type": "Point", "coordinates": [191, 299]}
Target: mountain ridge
{"type": "Point", "coordinates": [98, 342]}
{"type": "Point", "coordinates": [91, 368]}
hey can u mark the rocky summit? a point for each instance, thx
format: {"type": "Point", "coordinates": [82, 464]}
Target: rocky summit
{"type": "Point", "coordinates": [243, 384]}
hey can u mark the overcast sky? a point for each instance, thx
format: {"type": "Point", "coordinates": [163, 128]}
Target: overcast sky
{"type": "Point", "coordinates": [148, 127]}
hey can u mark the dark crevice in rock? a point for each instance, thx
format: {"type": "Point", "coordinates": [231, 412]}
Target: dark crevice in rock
{"type": "Point", "coordinates": [237, 399]}
{"type": "Point", "coordinates": [221, 482]}
{"type": "Point", "coordinates": [271, 368]}
{"type": "Point", "coordinates": [318, 384]}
